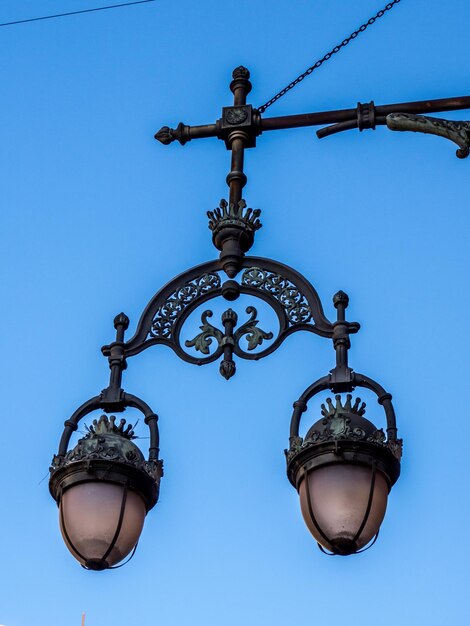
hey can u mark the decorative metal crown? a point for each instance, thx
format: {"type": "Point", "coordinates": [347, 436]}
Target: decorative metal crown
{"type": "Point", "coordinates": [234, 215]}
{"type": "Point", "coordinates": [105, 425]}
{"type": "Point", "coordinates": [340, 424]}
{"type": "Point", "coordinates": [340, 409]}
{"type": "Point", "coordinates": [95, 446]}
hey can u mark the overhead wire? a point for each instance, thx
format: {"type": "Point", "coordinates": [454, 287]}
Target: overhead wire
{"type": "Point", "coordinates": [50, 17]}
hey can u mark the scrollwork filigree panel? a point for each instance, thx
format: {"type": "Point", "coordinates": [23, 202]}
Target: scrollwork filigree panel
{"type": "Point", "coordinates": [284, 291]}
{"type": "Point", "coordinates": [167, 314]}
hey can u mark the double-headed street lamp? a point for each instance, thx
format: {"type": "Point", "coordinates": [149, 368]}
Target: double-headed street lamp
{"type": "Point", "coordinates": [344, 467]}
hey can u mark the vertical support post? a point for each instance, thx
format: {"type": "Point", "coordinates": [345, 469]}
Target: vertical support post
{"type": "Point", "coordinates": [341, 330]}
{"type": "Point", "coordinates": [117, 359]}
{"type": "Point", "coordinates": [236, 179]}
{"type": "Point", "coordinates": [341, 376]}
{"type": "Point", "coordinates": [232, 227]}
{"type": "Point", "coordinates": [111, 398]}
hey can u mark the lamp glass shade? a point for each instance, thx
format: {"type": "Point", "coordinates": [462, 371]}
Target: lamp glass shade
{"type": "Point", "coordinates": [89, 516]}
{"type": "Point", "coordinates": [339, 498]}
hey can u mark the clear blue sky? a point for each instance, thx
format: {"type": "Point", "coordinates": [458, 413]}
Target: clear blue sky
{"type": "Point", "coordinates": [96, 216]}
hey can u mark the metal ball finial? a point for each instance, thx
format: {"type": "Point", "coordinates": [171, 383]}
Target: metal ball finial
{"type": "Point", "coordinates": [340, 298]}
{"type": "Point", "coordinates": [121, 320]}
{"type": "Point", "coordinates": [241, 72]}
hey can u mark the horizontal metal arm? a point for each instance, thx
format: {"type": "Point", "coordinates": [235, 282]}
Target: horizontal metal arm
{"type": "Point", "coordinates": [184, 133]}
{"type": "Point", "coordinates": [362, 116]}
{"type": "Point", "coordinates": [351, 115]}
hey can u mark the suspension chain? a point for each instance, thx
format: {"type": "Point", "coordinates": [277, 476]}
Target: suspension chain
{"type": "Point", "coordinates": [328, 55]}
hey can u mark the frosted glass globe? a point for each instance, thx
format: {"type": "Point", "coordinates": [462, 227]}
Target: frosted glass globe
{"type": "Point", "coordinates": [339, 495]}
{"type": "Point", "coordinates": [89, 518]}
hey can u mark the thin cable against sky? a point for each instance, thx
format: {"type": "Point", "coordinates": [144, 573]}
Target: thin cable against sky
{"type": "Point", "coordinates": [49, 17]}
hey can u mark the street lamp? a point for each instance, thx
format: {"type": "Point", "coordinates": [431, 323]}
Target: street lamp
{"type": "Point", "coordinates": [345, 466]}
{"type": "Point", "coordinates": [104, 487]}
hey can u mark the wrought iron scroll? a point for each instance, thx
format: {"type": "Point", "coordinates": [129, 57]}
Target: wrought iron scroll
{"type": "Point", "coordinates": [228, 341]}
{"type": "Point", "coordinates": [249, 330]}
{"type": "Point", "coordinates": [203, 340]}
{"type": "Point", "coordinates": [290, 295]}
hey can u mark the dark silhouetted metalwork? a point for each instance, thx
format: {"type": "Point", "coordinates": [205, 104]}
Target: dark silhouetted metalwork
{"type": "Point", "coordinates": [344, 435]}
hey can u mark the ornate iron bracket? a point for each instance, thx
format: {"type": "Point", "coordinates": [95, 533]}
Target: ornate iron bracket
{"type": "Point", "coordinates": [292, 298]}
{"type": "Point", "coordinates": [458, 132]}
